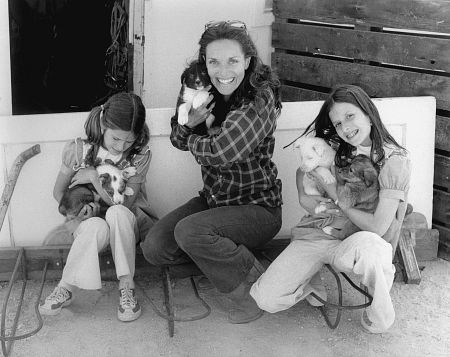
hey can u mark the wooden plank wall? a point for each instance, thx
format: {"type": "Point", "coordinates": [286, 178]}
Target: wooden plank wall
{"type": "Point", "coordinates": [389, 48]}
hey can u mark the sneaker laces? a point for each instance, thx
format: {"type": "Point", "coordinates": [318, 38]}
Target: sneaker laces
{"type": "Point", "coordinates": [59, 294]}
{"type": "Point", "coordinates": [127, 299]}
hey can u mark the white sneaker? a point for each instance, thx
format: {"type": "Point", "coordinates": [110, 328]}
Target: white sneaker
{"type": "Point", "coordinates": [129, 308]}
{"type": "Point", "coordinates": [369, 325]}
{"type": "Point", "coordinates": [59, 298]}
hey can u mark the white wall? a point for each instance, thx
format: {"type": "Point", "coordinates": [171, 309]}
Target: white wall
{"type": "Point", "coordinates": [174, 176]}
{"type": "Point", "coordinates": [172, 30]}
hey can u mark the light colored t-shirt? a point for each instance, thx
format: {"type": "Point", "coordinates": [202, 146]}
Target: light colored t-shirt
{"type": "Point", "coordinates": [74, 158]}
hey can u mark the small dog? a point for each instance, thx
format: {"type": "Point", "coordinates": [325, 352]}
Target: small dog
{"type": "Point", "coordinates": [315, 154]}
{"type": "Point", "coordinates": [194, 92]}
{"type": "Point", "coordinates": [113, 181]}
{"type": "Point", "coordinates": [357, 186]}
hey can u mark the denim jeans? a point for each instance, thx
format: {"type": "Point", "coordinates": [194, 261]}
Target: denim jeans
{"type": "Point", "coordinates": [217, 240]}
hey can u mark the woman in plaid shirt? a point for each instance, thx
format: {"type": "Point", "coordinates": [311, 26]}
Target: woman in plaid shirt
{"type": "Point", "coordinates": [239, 207]}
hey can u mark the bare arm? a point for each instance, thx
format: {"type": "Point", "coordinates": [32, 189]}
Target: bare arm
{"type": "Point", "coordinates": [379, 221]}
{"type": "Point", "coordinates": [308, 202]}
{"type": "Point", "coordinates": [61, 184]}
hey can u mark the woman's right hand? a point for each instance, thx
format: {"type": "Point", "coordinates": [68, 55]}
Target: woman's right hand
{"type": "Point", "coordinates": [199, 115]}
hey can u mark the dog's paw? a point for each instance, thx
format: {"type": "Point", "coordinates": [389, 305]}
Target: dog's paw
{"type": "Point", "coordinates": [183, 114]}
{"type": "Point", "coordinates": [128, 172]}
{"type": "Point", "coordinates": [328, 230]}
{"type": "Point", "coordinates": [199, 99]}
{"type": "Point", "coordinates": [321, 207]}
{"type": "Point", "coordinates": [128, 191]}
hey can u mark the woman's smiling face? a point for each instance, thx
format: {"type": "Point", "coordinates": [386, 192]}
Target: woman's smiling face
{"type": "Point", "coordinates": [351, 123]}
{"type": "Point", "coordinates": [226, 64]}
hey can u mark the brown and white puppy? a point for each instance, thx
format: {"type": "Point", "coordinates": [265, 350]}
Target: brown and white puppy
{"type": "Point", "coordinates": [113, 182]}
{"type": "Point", "coordinates": [357, 187]}
{"type": "Point", "coordinates": [315, 154]}
{"type": "Point", "coordinates": [194, 91]}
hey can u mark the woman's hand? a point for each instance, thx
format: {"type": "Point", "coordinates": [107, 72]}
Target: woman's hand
{"type": "Point", "coordinates": [199, 115]}
{"type": "Point", "coordinates": [84, 176]}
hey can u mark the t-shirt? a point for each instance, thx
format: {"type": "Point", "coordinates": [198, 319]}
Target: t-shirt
{"type": "Point", "coordinates": [74, 159]}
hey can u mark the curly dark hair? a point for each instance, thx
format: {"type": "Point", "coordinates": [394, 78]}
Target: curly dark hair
{"type": "Point", "coordinates": [257, 76]}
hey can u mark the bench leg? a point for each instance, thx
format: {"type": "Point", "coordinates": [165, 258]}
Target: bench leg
{"type": "Point", "coordinates": [168, 299]}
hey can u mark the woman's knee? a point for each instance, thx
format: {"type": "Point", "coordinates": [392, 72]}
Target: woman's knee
{"type": "Point", "coordinates": [155, 246]}
{"type": "Point", "coordinates": [188, 232]}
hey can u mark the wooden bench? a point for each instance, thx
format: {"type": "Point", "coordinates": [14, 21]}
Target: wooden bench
{"type": "Point", "coordinates": [33, 212]}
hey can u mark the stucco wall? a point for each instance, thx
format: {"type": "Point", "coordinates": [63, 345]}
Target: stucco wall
{"type": "Point", "coordinates": [172, 29]}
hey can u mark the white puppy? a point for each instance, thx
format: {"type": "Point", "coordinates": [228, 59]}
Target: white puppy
{"type": "Point", "coordinates": [315, 154]}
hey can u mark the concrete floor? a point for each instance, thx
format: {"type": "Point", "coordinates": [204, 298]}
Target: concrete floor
{"type": "Point", "coordinates": [89, 327]}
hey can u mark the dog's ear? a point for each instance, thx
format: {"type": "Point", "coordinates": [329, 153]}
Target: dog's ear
{"type": "Point", "coordinates": [370, 176]}
{"type": "Point", "coordinates": [184, 75]}
{"type": "Point", "coordinates": [128, 172]}
{"type": "Point", "coordinates": [319, 149]}
{"type": "Point", "coordinates": [104, 178]}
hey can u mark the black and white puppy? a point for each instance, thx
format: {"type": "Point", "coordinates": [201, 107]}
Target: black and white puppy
{"type": "Point", "coordinates": [113, 181]}
{"type": "Point", "coordinates": [194, 91]}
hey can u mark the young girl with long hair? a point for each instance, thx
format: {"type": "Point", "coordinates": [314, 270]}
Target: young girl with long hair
{"type": "Point", "coordinates": [116, 131]}
{"type": "Point", "coordinates": [349, 117]}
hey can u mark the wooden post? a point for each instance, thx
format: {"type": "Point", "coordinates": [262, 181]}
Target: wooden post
{"type": "Point", "coordinates": [408, 257]}
{"type": "Point", "coordinates": [12, 179]}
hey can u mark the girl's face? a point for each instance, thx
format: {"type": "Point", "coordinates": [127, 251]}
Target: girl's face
{"type": "Point", "coordinates": [117, 141]}
{"type": "Point", "coordinates": [226, 65]}
{"type": "Point", "coordinates": [351, 123]}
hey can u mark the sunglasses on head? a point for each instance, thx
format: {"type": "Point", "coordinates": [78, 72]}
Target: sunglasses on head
{"type": "Point", "coordinates": [232, 23]}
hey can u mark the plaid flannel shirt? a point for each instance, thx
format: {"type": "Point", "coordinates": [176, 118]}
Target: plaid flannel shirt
{"type": "Point", "coordinates": [236, 163]}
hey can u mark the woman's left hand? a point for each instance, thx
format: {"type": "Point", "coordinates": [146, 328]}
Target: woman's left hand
{"type": "Point", "coordinates": [199, 115]}
{"type": "Point", "coordinates": [84, 176]}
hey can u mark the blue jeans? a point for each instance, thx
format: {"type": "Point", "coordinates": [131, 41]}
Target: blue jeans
{"type": "Point", "coordinates": [217, 240]}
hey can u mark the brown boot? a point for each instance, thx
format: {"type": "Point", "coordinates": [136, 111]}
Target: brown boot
{"type": "Point", "coordinates": [244, 307]}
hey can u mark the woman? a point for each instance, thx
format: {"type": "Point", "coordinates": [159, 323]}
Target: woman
{"type": "Point", "coordinates": [349, 113]}
{"type": "Point", "coordinates": [239, 207]}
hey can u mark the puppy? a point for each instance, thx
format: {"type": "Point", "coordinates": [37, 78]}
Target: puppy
{"type": "Point", "coordinates": [194, 92]}
{"type": "Point", "coordinates": [113, 181]}
{"type": "Point", "coordinates": [315, 154]}
{"type": "Point", "coordinates": [357, 186]}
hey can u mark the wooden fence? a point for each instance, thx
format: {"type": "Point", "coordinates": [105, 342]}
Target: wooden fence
{"type": "Point", "coordinates": [389, 48]}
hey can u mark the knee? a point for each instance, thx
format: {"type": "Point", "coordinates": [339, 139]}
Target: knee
{"type": "Point", "coordinates": [154, 247]}
{"type": "Point", "coordinates": [183, 230]}
{"type": "Point", "coordinates": [371, 248]}
{"type": "Point", "coordinates": [94, 226]}
{"type": "Point", "coordinates": [265, 299]}
{"type": "Point", "coordinates": [118, 212]}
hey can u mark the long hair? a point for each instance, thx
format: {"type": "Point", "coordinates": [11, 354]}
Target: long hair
{"type": "Point", "coordinates": [122, 111]}
{"type": "Point", "coordinates": [257, 75]}
{"type": "Point", "coordinates": [323, 127]}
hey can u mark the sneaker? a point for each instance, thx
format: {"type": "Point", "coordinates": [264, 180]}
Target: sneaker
{"type": "Point", "coordinates": [129, 308]}
{"type": "Point", "coordinates": [369, 326]}
{"type": "Point", "coordinates": [59, 298]}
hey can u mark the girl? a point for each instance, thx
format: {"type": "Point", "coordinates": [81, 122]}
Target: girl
{"type": "Point", "coordinates": [239, 207]}
{"type": "Point", "coordinates": [115, 131]}
{"type": "Point", "coordinates": [349, 113]}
